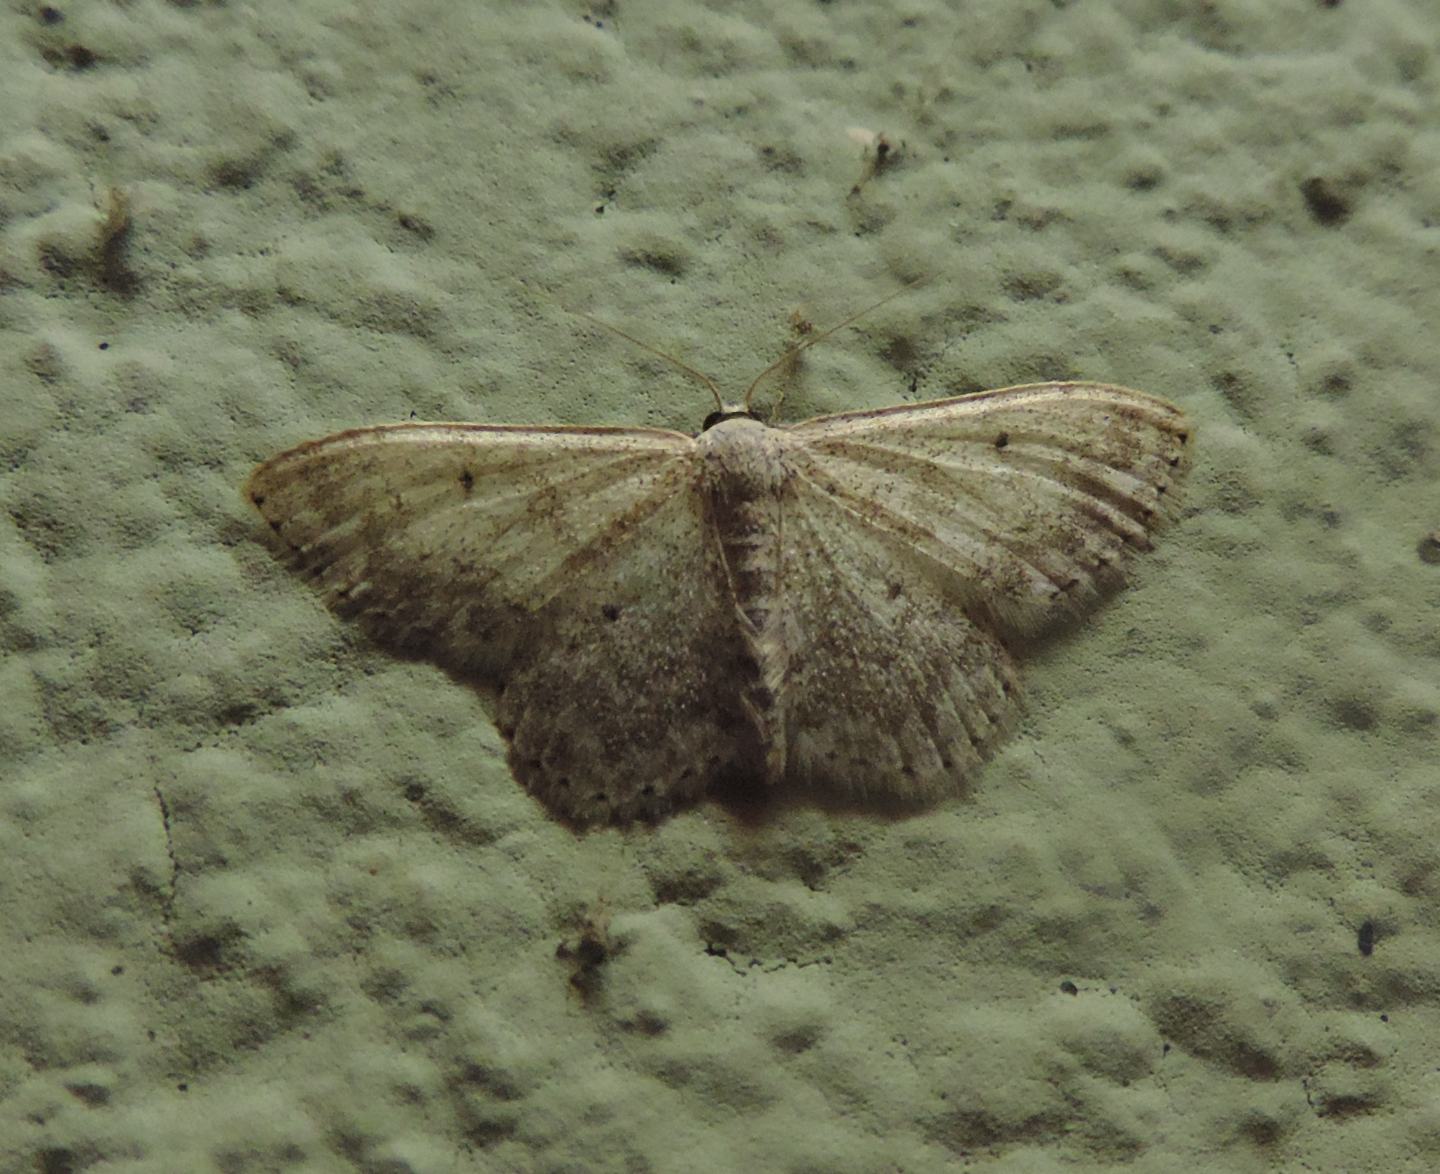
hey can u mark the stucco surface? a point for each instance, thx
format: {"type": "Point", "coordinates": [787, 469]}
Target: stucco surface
{"type": "Point", "coordinates": [270, 898]}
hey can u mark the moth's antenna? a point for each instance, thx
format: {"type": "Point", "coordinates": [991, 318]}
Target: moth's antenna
{"type": "Point", "coordinates": [645, 346]}
{"type": "Point", "coordinates": [824, 334]}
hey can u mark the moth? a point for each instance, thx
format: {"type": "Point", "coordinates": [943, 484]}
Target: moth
{"type": "Point", "coordinates": [825, 605]}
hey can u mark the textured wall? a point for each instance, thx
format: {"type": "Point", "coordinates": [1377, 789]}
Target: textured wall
{"type": "Point", "coordinates": [269, 898]}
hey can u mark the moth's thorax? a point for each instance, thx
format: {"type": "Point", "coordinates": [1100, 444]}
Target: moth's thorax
{"type": "Point", "coordinates": [745, 478]}
{"type": "Point", "coordinates": [744, 460]}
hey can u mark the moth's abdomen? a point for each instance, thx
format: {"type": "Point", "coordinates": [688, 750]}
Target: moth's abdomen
{"type": "Point", "coordinates": [747, 482]}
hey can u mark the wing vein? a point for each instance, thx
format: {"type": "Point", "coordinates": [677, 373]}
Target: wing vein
{"type": "Point", "coordinates": [899, 525]}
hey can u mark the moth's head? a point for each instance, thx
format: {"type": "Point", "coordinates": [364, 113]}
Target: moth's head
{"type": "Point", "coordinates": [728, 412]}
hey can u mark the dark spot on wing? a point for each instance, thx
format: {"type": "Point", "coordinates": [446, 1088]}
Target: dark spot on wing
{"type": "Point", "coordinates": [1002, 440]}
{"type": "Point", "coordinates": [467, 481]}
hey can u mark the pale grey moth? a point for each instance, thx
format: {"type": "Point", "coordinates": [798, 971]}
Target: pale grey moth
{"type": "Point", "coordinates": [823, 605]}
